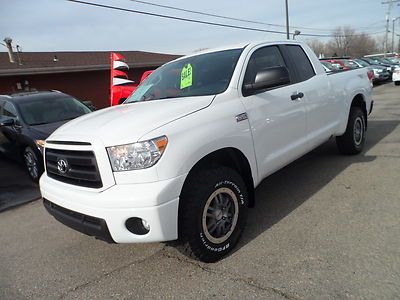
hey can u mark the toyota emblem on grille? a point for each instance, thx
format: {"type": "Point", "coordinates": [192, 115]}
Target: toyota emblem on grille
{"type": "Point", "coordinates": [62, 165]}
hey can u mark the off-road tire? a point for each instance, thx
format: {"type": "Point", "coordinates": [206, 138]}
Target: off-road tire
{"type": "Point", "coordinates": [352, 141]}
{"type": "Point", "coordinates": [202, 205]}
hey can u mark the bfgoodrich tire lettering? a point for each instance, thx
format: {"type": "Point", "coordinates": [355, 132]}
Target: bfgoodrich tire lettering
{"type": "Point", "coordinates": [352, 141]}
{"type": "Point", "coordinates": [213, 213]}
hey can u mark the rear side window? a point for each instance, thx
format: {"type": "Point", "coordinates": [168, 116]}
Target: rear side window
{"type": "Point", "coordinates": [9, 110]}
{"type": "Point", "coordinates": [304, 68]}
{"type": "Point", "coordinates": [262, 59]}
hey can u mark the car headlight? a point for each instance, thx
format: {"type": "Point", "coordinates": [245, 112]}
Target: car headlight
{"type": "Point", "coordinates": [140, 155]}
{"type": "Point", "coordinates": [40, 143]}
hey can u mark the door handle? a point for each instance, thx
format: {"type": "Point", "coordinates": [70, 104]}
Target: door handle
{"type": "Point", "coordinates": [297, 96]}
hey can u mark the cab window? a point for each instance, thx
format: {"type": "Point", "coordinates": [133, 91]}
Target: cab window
{"type": "Point", "coordinates": [303, 66]}
{"type": "Point", "coordinates": [262, 59]}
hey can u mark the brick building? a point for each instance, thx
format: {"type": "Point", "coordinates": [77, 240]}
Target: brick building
{"type": "Point", "coordinates": [84, 75]}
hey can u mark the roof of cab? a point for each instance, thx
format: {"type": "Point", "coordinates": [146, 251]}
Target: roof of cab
{"type": "Point", "coordinates": [243, 45]}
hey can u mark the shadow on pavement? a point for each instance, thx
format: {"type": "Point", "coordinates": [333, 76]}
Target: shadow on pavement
{"type": "Point", "coordinates": [16, 188]}
{"type": "Point", "coordinates": [281, 193]}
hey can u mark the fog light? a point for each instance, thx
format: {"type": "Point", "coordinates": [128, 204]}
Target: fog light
{"type": "Point", "coordinates": [137, 226]}
{"type": "Point", "coordinates": [145, 225]}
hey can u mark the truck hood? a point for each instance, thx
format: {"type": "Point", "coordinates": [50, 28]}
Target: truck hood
{"type": "Point", "coordinates": [127, 123]}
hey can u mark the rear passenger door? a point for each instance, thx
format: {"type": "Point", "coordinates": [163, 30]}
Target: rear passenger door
{"type": "Point", "coordinates": [322, 117]}
{"type": "Point", "coordinates": [278, 123]}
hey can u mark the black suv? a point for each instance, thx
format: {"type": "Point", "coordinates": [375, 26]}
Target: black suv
{"type": "Point", "coordinates": [27, 119]}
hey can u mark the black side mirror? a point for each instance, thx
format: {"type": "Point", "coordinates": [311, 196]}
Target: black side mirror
{"type": "Point", "coordinates": [266, 79]}
{"type": "Point", "coordinates": [7, 122]}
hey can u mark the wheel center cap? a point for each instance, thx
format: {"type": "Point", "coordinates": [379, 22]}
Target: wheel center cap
{"type": "Point", "coordinates": [219, 215]}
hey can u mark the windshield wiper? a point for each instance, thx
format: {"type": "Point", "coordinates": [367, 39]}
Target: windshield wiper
{"type": "Point", "coordinates": [43, 123]}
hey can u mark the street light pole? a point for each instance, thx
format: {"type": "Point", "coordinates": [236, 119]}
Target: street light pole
{"type": "Point", "coordinates": [287, 20]}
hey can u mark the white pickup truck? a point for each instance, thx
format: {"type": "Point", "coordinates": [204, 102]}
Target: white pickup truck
{"type": "Point", "coordinates": [180, 159]}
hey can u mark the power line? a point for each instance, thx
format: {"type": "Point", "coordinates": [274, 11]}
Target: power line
{"type": "Point", "coordinates": [200, 21]}
{"type": "Point", "coordinates": [235, 19]}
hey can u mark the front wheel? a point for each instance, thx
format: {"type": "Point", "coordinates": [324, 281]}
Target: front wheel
{"type": "Point", "coordinates": [352, 141]}
{"type": "Point", "coordinates": [32, 164]}
{"type": "Point", "coordinates": [213, 213]}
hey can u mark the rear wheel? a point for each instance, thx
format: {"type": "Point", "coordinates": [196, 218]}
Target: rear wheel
{"type": "Point", "coordinates": [352, 141]}
{"type": "Point", "coordinates": [397, 83]}
{"type": "Point", "coordinates": [213, 213]}
{"type": "Point", "coordinates": [32, 164]}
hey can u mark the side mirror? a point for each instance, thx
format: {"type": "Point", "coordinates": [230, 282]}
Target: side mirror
{"type": "Point", "coordinates": [267, 78]}
{"type": "Point", "coordinates": [7, 122]}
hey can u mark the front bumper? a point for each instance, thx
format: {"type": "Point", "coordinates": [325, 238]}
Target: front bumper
{"type": "Point", "coordinates": [156, 203]}
{"type": "Point", "coordinates": [86, 224]}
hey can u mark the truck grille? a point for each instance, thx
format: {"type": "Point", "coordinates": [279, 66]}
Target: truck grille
{"type": "Point", "coordinates": [73, 167]}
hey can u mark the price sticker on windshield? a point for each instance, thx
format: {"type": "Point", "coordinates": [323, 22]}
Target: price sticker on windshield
{"type": "Point", "coordinates": [186, 76]}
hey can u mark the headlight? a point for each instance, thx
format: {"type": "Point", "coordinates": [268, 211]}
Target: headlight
{"type": "Point", "coordinates": [40, 143]}
{"type": "Point", "coordinates": [137, 156]}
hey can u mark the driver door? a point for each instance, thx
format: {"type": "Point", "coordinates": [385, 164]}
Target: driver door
{"type": "Point", "coordinates": [278, 123]}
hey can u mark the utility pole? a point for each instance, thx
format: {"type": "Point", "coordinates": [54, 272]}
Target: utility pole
{"type": "Point", "coordinates": [287, 20]}
{"type": "Point", "coordinates": [394, 21]}
{"type": "Point", "coordinates": [398, 45]}
{"type": "Point", "coordinates": [390, 2]}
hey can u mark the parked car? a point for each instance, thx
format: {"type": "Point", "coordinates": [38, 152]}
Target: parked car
{"type": "Point", "coordinates": [385, 60]}
{"type": "Point", "coordinates": [394, 59]}
{"type": "Point", "coordinates": [389, 67]}
{"type": "Point", "coordinates": [348, 64]}
{"type": "Point", "coordinates": [396, 76]}
{"type": "Point", "coordinates": [380, 73]}
{"type": "Point", "coordinates": [181, 158]}
{"type": "Point", "coordinates": [27, 119]}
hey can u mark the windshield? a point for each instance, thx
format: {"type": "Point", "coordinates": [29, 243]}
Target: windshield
{"type": "Point", "coordinates": [44, 111]}
{"type": "Point", "coordinates": [203, 74]}
{"type": "Point", "coordinates": [382, 60]}
{"type": "Point", "coordinates": [371, 61]}
{"type": "Point", "coordinates": [361, 62]}
{"type": "Point", "coordinates": [394, 60]}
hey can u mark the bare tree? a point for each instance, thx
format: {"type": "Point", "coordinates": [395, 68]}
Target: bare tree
{"type": "Point", "coordinates": [317, 46]}
{"type": "Point", "coordinates": [363, 44]}
{"type": "Point", "coordinates": [341, 42]}
{"type": "Point", "coordinates": [346, 42]}
{"type": "Point", "coordinates": [380, 43]}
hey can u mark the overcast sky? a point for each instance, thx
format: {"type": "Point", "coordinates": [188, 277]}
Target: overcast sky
{"type": "Point", "coordinates": [58, 25]}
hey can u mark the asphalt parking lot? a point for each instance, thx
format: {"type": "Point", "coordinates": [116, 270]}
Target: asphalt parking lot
{"type": "Point", "coordinates": [326, 226]}
{"type": "Point", "coordinates": [16, 188]}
